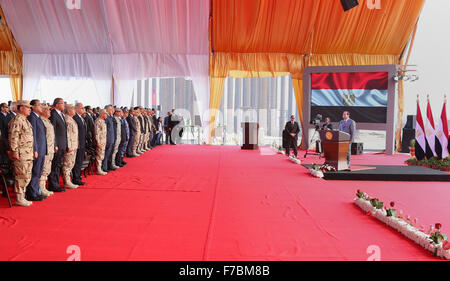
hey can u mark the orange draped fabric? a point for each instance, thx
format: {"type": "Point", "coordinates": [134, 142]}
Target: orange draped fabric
{"type": "Point", "coordinates": [10, 58]}
{"type": "Point", "coordinates": [255, 38]}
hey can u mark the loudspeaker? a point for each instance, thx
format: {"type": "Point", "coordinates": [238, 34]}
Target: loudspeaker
{"type": "Point", "coordinates": [349, 4]}
{"type": "Point", "coordinates": [411, 122]}
{"type": "Point", "coordinates": [408, 135]}
{"type": "Point", "coordinates": [357, 148]}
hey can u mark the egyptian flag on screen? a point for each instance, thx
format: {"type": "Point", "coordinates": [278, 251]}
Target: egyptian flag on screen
{"type": "Point", "coordinates": [430, 133]}
{"type": "Point", "coordinates": [363, 94]}
{"type": "Point", "coordinates": [421, 143]}
{"type": "Point", "coordinates": [442, 133]}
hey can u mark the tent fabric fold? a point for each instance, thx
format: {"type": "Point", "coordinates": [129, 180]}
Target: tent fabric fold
{"type": "Point", "coordinates": [117, 42]}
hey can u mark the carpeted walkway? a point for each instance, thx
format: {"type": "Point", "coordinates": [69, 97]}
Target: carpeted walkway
{"type": "Point", "coordinates": [218, 203]}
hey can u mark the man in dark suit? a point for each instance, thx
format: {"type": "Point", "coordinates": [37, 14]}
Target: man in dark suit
{"type": "Point", "coordinates": [82, 130]}
{"type": "Point", "coordinates": [173, 122]}
{"type": "Point", "coordinates": [12, 112]}
{"type": "Point", "coordinates": [167, 127]}
{"type": "Point", "coordinates": [132, 126]}
{"type": "Point", "coordinates": [110, 138]}
{"type": "Point", "coordinates": [3, 120]}
{"type": "Point", "coordinates": [124, 137]}
{"type": "Point", "coordinates": [292, 130]}
{"type": "Point", "coordinates": [348, 126]}
{"type": "Point", "coordinates": [327, 126]}
{"type": "Point", "coordinates": [59, 124]}
{"type": "Point", "coordinates": [33, 191]}
{"type": "Point", "coordinates": [90, 131]}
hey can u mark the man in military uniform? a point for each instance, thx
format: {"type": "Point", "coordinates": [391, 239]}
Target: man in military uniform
{"type": "Point", "coordinates": [118, 135]}
{"type": "Point", "coordinates": [146, 130]}
{"type": "Point", "coordinates": [72, 146]}
{"type": "Point", "coordinates": [100, 139]}
{"type": "Point", "coordinates": [21, 145]}
{"type": "Point", "coordinates": [137, 138]}
{"type": "Point", "coordinates": [139, 149]}
{"type": "Point", "coordinates": [51, 149]}
{"type": "Point", "coordinates": [40, 150]}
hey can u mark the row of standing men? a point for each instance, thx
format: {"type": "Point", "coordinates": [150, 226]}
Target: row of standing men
{"type": "Point", "coordinates": [45, 142]}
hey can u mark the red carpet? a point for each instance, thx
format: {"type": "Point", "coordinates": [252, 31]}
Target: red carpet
{"type": "Point", "coordinates": [218, 203]}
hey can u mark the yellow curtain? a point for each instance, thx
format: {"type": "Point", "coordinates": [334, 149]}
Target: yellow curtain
{"type": "Point", "coordinates": [16, 86]}
{"type": "Point", "coordinates": [257, 38]}
{"type": "Point", "coordinates": [10, 58]}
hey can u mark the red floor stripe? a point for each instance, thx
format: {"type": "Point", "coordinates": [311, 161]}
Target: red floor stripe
{"type": "Point", "coordinates": [218, 203]}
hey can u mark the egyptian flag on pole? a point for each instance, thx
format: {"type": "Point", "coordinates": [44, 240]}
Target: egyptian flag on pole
{"type": "Point", "coordinates": [442, 132]}
{"type": "Point", "coordinates": [430, 133]}
{"type": "Point", "coordinates": [421, 143]}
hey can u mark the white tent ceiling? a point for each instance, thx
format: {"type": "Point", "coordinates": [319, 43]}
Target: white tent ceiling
{"type": "Point", "coordinates": [124, 39]}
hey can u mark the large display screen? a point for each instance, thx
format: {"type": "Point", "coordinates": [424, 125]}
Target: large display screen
{"type": "Point", "coordinates": [363, 94]}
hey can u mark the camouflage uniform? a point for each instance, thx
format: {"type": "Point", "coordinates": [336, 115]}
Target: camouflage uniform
{"type": "Point", "coordinates": [72, 143]}
{"type": "Point", "coordinates": [50, 134]}
{"type": "Point", "coordinates": [21, 143]}
{"type": "Point", "coordinates": [100, 138]}
{"type": "Point", "coordinates": [137, 139]}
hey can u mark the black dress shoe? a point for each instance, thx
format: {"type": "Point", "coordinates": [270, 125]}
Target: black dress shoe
{"type": "Point", "coordinates": [124, 163]}
{"type": "Point", "coordinates": [35, 198]}
{"type": "Point", "coordinates": [79, 183]}
{"type": "Point", "coordinates": [58, 189]}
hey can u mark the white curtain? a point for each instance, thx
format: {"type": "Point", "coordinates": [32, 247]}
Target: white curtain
{"type": "Point", "coordinates": [124, 39]}
{"type": "Point", "coordinates": [33, 67]}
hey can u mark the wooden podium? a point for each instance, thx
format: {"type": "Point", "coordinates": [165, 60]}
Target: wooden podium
{"type": "Point", "coordinates": [250, 135]}
{"type": "Point", "coordinates": [335, 146]}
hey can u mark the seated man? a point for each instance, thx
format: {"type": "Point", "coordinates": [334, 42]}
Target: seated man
{"type": "Point", "coordinates": [292, 129]}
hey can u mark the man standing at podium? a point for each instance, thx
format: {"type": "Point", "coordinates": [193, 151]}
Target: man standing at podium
{"type": "Point", "coordinates": [292, 130]}
{"type": "Point", "coordinates": [348, 126]}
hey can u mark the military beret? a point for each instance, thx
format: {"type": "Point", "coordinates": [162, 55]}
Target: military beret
{"type": "Point", "coordinates": [23, 103]}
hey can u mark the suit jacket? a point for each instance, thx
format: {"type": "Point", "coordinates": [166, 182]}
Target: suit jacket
{"type": "Point", "coordinates": [348, 127]}
{"type": "Point", "coordinates": [124, 130]}
{"type": "Point", "coordinates": [90, 128]}
{"type": "Point", "coordinates": [293, 129]}
{"type": "Point", "coordinates": [155, 121]}
{"type": "Point", "coordinates": [146, 125]}
{"type": "Point", "coordinates": [82, 130]}
{"type": "Point", "coordinates": [110, 136]}
{"type": "Point", "coordinates": [166, 123]}
{"type": "Point", "coordinates": [132, 125]}
{"type": "Point", "coordinates": [60, 130]}
{"type": "Point", "coordinates": [141, 121]}
{"type": "Point", "coordinates": [39, 134]}
{"type": "Point", "coordinates": [4, 125]}
{"type": "Point", "coordinates": [327, 126]}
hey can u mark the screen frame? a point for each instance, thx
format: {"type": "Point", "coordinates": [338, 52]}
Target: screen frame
{"type": "Point", "coordinates": [389, 127]}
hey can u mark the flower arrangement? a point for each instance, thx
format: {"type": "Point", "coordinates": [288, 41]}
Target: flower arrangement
{"type": "Point", "coordinates": [278, 148]}
{"type": "Point", "coordinates": [433, 163]}
{"type": "Point", "coordinates": [319, 170]}
{"type": "Point", "coordinates": [295, 160]}
{"type": "Point", "coordinates": [433, 240]}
